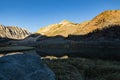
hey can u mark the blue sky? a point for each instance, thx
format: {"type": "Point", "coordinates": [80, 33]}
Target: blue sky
{"type": "Point", "coordinates": [34, 14]}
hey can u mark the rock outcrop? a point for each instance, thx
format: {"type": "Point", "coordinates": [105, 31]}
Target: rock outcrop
{"type": "Point", "coordinates": [24, 67]}
{"type": "Point", "coordinates": [13, 32]}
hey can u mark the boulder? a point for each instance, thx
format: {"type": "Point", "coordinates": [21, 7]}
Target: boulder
{"type": "Point", "coordinates": [24, 67]}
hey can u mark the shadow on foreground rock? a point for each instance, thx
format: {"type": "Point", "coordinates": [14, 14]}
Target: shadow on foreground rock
{"type": "Point", "coordinates": [24, 67]}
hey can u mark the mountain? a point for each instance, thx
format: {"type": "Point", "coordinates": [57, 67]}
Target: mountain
{"type": "Point", "coordinates": [103, 20]}
{"type": "Point", "coordinates": [108, 33]}
{"type": "Point", "coordinates": [13, 32]}
{"type": "Point", "coordinates": [98, 38]}
{"type": "Point", "coordinates": [65, 28]}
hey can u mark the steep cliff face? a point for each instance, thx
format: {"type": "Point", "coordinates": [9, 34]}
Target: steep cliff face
{"type": "Point", "coordinates": [13, 32]}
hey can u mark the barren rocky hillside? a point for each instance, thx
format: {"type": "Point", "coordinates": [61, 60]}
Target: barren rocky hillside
{"type": "Point", "coordinates": [65, 28]}
{"type": "Point", "coordinates": [13, 32]}
{"type": "Point", "coordinates": [106, 18]}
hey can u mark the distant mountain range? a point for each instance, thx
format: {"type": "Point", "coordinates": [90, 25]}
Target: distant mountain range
{"type": "Point", "coordinates": [99, 37]}
{"type": "Point", "coordinates": [97, 28]}
{"type": "Point", "coordinates": [65, 28]}
{"type": "Point", "coordinates": [13, 32]}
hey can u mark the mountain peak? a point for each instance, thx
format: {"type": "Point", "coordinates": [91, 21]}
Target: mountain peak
{"type": "Point", "coordinates": [13, 32]}
{"type": "Point", "coordinates": [112, 14]}
{"type": "Point", "coordinates": [65, 22]}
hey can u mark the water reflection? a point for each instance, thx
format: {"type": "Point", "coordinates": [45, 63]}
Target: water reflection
{"type": "Point", "coordinates": [101, 53]}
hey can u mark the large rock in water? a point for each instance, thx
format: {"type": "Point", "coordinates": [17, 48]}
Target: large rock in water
{"type": "Point", "coordinates": [24, 67]}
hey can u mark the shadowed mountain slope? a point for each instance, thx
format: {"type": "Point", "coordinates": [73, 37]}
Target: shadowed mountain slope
{"type": "Point", "coordinates": [108, 33]}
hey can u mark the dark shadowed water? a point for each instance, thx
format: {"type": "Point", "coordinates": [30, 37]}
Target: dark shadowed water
{"type": "Point", "coordinates": [109, 53]}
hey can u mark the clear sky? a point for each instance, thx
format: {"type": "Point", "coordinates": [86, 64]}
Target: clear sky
{"type": "Point", "coordinates": [34, 14]}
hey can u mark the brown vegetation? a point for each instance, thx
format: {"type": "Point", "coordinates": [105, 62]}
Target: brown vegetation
{"type": "Point", "coordinates": [84, 69]}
